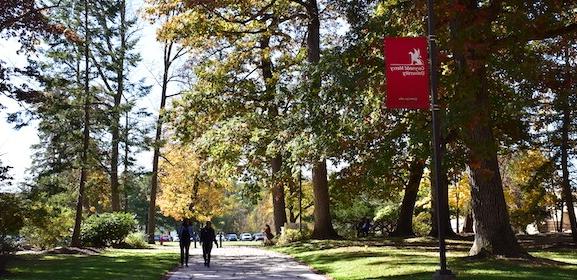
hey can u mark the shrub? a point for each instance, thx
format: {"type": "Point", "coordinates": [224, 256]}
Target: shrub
{"type": "Point", "coordinates": [107, 229]}
{"type": "Point", "coordinates": [48, 225]}
{"type": "Point", "coordinates": [136, 240]}
{"type": "Point", "coordinates": [11, 221]}
{"type": "Point", "coordinates": [422, 223]}
{"type": "Point", "coordinates": [290, 235]}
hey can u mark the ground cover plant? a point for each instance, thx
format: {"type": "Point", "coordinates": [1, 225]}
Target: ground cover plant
{"type": "Point", "coordinates": [417, 258]}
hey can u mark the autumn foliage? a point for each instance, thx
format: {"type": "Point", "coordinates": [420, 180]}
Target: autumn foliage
{"type": "Point", "coordinates": [186, 191]}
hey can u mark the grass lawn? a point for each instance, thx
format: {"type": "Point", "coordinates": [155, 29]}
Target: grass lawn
{"type": "Point", "coordinates": [418, 258]}
{"type": "Point", "coordinates": [139, 264]}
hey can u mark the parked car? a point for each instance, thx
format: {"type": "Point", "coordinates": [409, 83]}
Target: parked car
{"type": "Point", "coordinates": [246, 236]}
{"type": "Point", "coordinates": [232, 237]}
{"type": "Point", "coordinates": [258, 236]}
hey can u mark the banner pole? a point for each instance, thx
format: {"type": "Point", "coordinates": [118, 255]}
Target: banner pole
{"type": "Point", "coordinates": [443, 273]}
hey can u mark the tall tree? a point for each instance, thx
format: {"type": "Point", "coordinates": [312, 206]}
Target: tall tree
{"type": "Point", "coordinates": [565, 129]}
{"type": "Point", "coordinates": [171, 52]}
{"type": "Point", "coordinates": [75, 241]}
{"type": "Point", "coordinates": [323, 228]}
{"type": "Point", "coordinates": [248, 39]}
{"type": "Point", "coordinates": [558, 76]}
{"type": "Point", "coordinates": [114, 57]}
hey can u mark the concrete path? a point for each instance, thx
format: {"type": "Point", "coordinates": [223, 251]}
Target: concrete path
{"type": "Point", "coordinates": [233, 263]}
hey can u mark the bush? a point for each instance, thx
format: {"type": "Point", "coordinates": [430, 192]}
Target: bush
{"type": "Point", "coordinates": [136, 240]}
{"type": "Point", "coordinates": [48, 225]}
{"type": "Point", "coordinates": [290, 235]}
{"type": "Point", "coordinates": [11, 221]}
{"type": "Point", "coordinates": [107, 229]}
{"type": "Point", "coordinates": [422, 223]}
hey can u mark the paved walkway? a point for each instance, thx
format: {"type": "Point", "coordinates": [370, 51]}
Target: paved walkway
{"type": "Point", "coordinates": [233, 263]}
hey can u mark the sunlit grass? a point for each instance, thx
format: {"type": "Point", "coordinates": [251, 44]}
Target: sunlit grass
{"type": "Point", "coordinates": [390, 260]}
{"type": "Point", "coordinates": [111, 264]}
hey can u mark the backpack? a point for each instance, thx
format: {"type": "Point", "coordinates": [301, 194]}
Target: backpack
{"type": "Point", "coordinates": [185, 235]}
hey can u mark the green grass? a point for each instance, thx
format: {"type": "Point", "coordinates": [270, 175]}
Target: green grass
{"type": "Point", "coordinates": [418, 259]}
{"type": "Point", "coordinates": [139, 264]}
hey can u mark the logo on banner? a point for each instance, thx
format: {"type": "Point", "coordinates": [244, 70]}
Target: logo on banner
{"type": "Point", "coordinates": [416, 57]}
{"type": "Point", "coordinates": [415, 67]}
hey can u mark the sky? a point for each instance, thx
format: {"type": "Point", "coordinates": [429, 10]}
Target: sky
{"type": "Point", "coordinates": [15, 145]}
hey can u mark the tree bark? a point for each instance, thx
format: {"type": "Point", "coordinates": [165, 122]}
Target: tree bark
{"type": "Point", "coordinates": [279, 212]}
{"type": "Point", "coordinates": [323, 227]}
{"type": "Point", "coordinates": [468, 227]}
{"type": "Point", "coordinates": [494, 235]}
{"type": "Point", "coordinates": [405, 221]}
{"type": "Point", "coordinates": [75, 242]}
{"type": "Point", "coordinates": [293, 191]}
{"type": "Point", "coordinates": [126, 176]}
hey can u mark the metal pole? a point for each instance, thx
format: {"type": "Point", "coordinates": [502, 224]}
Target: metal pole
{"type": "Point", "coordinates": [443, 273]}
{"type": "Point", "coordinates": [300, 201]}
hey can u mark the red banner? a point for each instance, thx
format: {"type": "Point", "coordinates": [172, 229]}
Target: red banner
{"type": "Point", "coordinates": [407, 64]}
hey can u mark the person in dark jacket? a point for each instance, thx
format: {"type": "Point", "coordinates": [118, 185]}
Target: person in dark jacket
{"type": "Point", "coordinates": [207, 236]}
{"type": "Point", "coordinates": [184, 234]}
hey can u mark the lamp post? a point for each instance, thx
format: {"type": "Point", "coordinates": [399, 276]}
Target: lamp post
{"type": "Point", "coordinates": [443, 273]}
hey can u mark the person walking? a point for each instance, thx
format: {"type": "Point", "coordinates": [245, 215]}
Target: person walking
{"type": "Point", "coordinates": [184, 232]}
{"type": "Point", "coordinates": [207, 236]}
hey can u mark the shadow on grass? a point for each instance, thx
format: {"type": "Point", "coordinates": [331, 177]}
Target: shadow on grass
{"type": "Point", "coordinates": [493, 269]}
{"type": "Point", "coordinates": [393, 260]}
{"type": "Point", "coordinates": [127, 265]}
{"type": "Point", "coordinates": [425, 244]}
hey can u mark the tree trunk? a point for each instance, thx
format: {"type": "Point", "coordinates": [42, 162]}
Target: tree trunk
{"type": "Point", "coordinates": [323, 227]}
{"type": "Point", "coordinates": [444, 181]}
{"type": "Point", "coordinates": [75, 242]}
{"type": "Point", "coordinates": [494, 234]}
{"type": "Point", "coordinates": [405, 221]}
{"type": "Point", "coordinates": [126, 155]}
{"type": "Point", "coordinates": [278, 195]}
{"type": "Point", "coordinates": [293, 191]}
{"type": "Point", "coordinates": [560, 226]}
{"type": "Point", "coordinates": [151, 226]}
{"type": "Point", "coordinates": [115, 131]}
{"type": "Point", "coordinates": [279, 212]}
{"type": "Point", "coordinates": [115, 124]}
{"type": "Point", "coordinates": [468, 227]}
{"type": "Point", "coordinates": [566, 183]}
